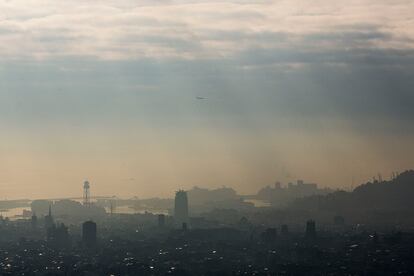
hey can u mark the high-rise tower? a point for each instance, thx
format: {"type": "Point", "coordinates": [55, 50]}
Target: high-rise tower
{"type": "Point", "coordinates": [49, 222]}
{"type": "Point", "coordinates": [89, 233]}
{"type": "Point", "coordinates": [181, 208]}
{"type": "Point", "coordinates": [86, 193]}
{"type": "Point", "coordinates": [310, 229]}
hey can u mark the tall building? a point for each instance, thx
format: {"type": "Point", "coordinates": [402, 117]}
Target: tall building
{"type": "Point", "coordinates": [89, 233]}
{"type": "Point", "coordinates": [34, 221]}
{"type": "Point", "coordinates": [269, 235]}
{"type": "Point", "coordinates": [181, 208]}
{"type": "Point", "coordinates": [310, 229]}
{"type": "Point", "coordinates": [58, 235]}
{"type": "Point", "coordinates": [184, 226]}
{"type": "Point", "coordinates": [49, 222]}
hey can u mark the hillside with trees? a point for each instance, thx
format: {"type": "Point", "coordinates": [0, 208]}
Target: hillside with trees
{"type": "Point", "coordinates": [378, 201]}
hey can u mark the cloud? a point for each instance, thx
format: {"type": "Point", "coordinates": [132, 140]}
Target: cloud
{"type": "Point", "coordinates": [319, 89]}
{"type": "Point", "coordinates": [197, 29]}
{"type": "Point", "coordinates": [258, 60]}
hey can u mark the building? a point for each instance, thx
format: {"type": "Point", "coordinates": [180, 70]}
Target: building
{"type": "Point", "coordinates": [184, 226]}
{"type": "Point", "coordinates": [49, 222]}
{"type": "Point", "coordinates": [310, 229]}
{"type": "Point", "coordinates": [269, 235]}
{"type": "Point", "coordinates": [181, 208]}
{"type": "Point", "coordinates": [58, 236]}
{"type": "Point", "coordinates": [34, 221]}
{"type": "Point", "coordinates": [89, 233]}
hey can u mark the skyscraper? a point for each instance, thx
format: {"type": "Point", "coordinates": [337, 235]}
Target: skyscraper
{"type": "Point", "coordinates": [310, 229]}
{"type": "Point", "coordinates": [34, 221]}
{"type": "Point", "coordinates": [181, 208]}
{"type": "Point", "coordinates": [49, 222]}
{"type": "Point", "coordinates": [89, 233]}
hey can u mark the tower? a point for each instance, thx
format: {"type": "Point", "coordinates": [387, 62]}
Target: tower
{"type": "Point", "coordinates": [49, 222]}
{"type": "Point", "coordinates": [111, 207]}
{"type": "Point", "coordinates": [86, 193]}
{"type": "Point", "coordinates": [89, 233]}
{"type": "Point", "coordinates": [181, 208]}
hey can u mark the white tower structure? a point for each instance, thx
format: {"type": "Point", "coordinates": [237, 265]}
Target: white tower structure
{"type": "Point", "coordinates": [86, 193]}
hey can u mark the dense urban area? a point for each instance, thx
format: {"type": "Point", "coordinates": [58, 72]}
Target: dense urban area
{"type": "Point", "coordinates": [297, 229]}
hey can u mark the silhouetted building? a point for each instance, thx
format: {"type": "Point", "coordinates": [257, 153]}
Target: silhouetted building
{"type": "Point", "coordinates": [71, 208]}
{"type": "Point", "coordinates": [58, 235]}
{"type": "Point", "coordinates": [49, 222]}
{"type": "Point", "coordinates": [269, 235]}
{"type": "Point", "coordinates": [34, 221]}
{"type": "Point", "coordinates": [310, 229]}
{"type": "Point", "coordinates": [283, 196]}
{"type": "Point", "coordinates": [161, 220]}
{"type": "Point", "coordinates": [181, 208]}
{"type": "Point", "coordinates": [89, 233]}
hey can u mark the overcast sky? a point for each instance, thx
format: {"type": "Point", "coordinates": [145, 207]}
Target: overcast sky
{"type": "Point", "coordinates": [294, 89]}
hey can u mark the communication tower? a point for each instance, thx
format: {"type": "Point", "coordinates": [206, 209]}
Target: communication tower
{"type": "Point", "coordinates": [86, 193]}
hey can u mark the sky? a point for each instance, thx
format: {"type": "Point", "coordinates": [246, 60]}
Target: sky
{"type": "Point", "coordinates": [292, 89]}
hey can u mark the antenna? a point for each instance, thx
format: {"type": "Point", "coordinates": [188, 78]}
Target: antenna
{"type": "Point", "coordinates": [112, 207]}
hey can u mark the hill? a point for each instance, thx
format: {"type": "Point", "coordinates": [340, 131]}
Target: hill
{"type": "Point", "coordinates": [373, 201]}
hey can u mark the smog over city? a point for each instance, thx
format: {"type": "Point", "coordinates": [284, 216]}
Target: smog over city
{"type": "Point", "coordinates": [206, 137]}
